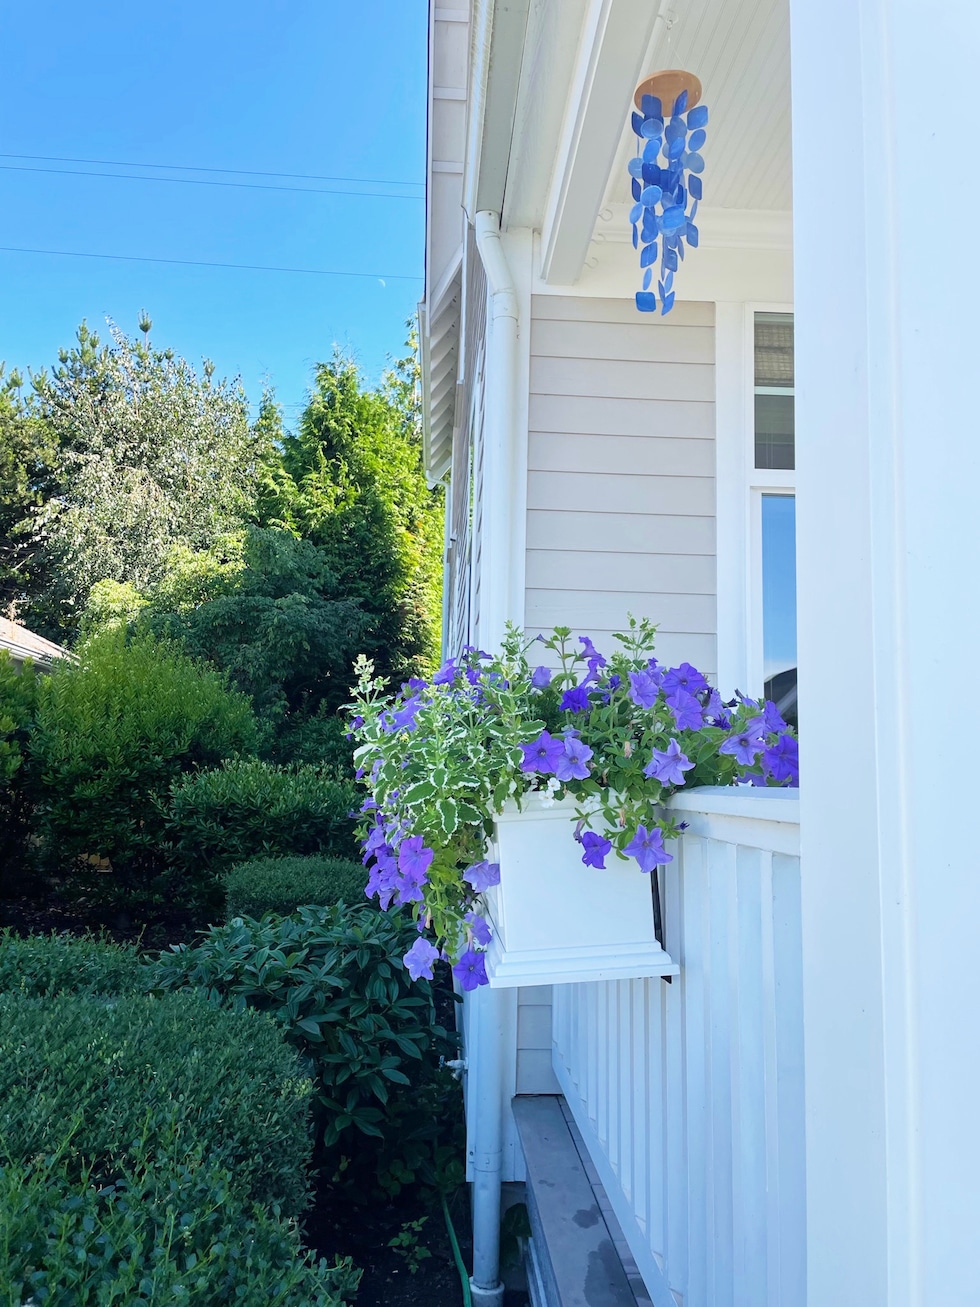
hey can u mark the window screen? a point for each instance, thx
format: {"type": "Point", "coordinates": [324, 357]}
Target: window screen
{"type": "Point", "coordinates": [775, 431]}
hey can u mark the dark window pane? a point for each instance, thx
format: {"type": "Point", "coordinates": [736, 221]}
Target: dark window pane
{"type": "Point", "coordinates": [774, 349]}
{"type": "Point", "coordinates": [775, 440]}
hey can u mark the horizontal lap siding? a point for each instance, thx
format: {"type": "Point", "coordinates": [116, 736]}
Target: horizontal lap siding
{"type": "Point", "coordinates": [621, 459]}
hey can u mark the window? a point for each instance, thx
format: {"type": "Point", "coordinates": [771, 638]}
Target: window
{"type": "Point", "coordinates": [774, 502]}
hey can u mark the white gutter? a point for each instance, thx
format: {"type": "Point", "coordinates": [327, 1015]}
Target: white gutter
{"type": "Point", "coordinates": [499, 573]}
{"type": "Point", "coordinates": [480, 29]}
{"type": "Point", "coordinates": [493, 1009]}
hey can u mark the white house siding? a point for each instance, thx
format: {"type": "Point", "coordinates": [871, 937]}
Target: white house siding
{"type": "Point", "coordinates": [621, 464]}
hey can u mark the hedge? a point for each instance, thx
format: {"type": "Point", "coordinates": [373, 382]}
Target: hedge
{"type": "Point", "coordinates": [47, 966]}
{"type": "Point", "coordinates": [281, 885]}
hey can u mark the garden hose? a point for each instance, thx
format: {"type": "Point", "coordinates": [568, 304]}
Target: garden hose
{"type": "Point", "coordinates": [464, 1279]}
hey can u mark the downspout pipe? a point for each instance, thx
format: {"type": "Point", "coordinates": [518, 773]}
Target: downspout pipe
{"type": "Point", "coordinates": [492, 1012]}
{"type": "Point", "coordinates": [499, 601]}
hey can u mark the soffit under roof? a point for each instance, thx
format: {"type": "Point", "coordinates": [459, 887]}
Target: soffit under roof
{"type": "Point", "coordinates": [740, 51]}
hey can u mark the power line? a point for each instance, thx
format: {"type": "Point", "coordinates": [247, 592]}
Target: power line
{"type": "Point", "coordinates": [206, 263]}
{"type": "Point", "coordinates": [201, 181]}
{"type": "Point", "coordinates": [236, 172]}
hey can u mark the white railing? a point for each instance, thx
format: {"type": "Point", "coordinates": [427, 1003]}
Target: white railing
{"type": "Point", "coordinates": [690, 1095]}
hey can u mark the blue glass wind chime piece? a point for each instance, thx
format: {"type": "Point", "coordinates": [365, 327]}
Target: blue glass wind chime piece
{"type": "Point", "coordinates": [666, 192]}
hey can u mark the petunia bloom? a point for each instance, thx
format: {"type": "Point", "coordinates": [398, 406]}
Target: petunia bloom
{"type": "Point", "coordinates": [573, 764]}
{"type": "Point", "coordinates": [745, 747]}
{"type": "Point", "coordinates": [643, 689]}
{"type": "Point", "coordinates": [575, 700]}
{"type": "Point", "coordinates": [414, 859]}
{"type": "Point", "coordinates": [482, 875]}
{"type": "Point", "coordinates": [404, 719]}
{"type": "Point", "coordinates": [479, 928]}
{"type": "Point", "coordinates": [684, 677]}
{"type": "Point", "coordinates": [668, 766]}
{"type": "Point", "coordinates": [688, 715]}
{"type": "Point", "coordinates": [647, 847]}
{"type": "Point", "coordinates": [773, 718]}
{"type": "Point", "coordinates": [420, 959]}
{"type": "Point", "coordinates": [447, 673]}
{"type": "Point", "coordinates": [596, 849]}
{"type": "Point", "coordinates": [541, 678]}
{"type": "Point", "coordinates": [782, 760]}
{"type": "Point", "coordinates": [471, 970]}
{"type": "Point", "coordinates": [543, 754]}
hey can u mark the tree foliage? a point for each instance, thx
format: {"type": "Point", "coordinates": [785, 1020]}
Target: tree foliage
{"type": "Point", "coordinates": [149, 454]}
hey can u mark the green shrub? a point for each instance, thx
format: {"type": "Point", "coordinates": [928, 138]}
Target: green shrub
{"type": "Point", "coordinates": [121, 1079]}
{"type": "Point", "coordinates": [47, 966]}
{"type": "Point", "coordinates": [113, 732]}
{"type": "Point", "coordinates": [333, 979]}
{"type": "Point", "coordinates": [281, 885]}
{"type": "Point", "coordinates": [153, 1236]}
{"type": "Point", "coordinates": [250, 809]}
{"type": "Point", "coordinates": [18, 698]}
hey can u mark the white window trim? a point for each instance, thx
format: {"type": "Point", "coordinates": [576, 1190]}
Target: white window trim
{"type": "Point", "coordinates": [739, 487]}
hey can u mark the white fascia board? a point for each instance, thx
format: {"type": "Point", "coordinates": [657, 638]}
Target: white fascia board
{"type": "Point", "coordinates": [612, 59]}
{"type": "Point", "coordinates": [495, 71]}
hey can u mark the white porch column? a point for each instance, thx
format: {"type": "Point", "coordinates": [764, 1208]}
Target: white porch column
{"type": "Point", "coordinates": [886, 124]}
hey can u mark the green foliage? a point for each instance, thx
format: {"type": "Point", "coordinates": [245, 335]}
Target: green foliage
{"type": "Point", "coordinates": [357, 489]}
{"type": "Point", "coordinates": [27, 459]}
{"type": "Point", "coordinates": [18, 699]}
{"type": "Point", "coordinates": [281, 885]}
{"type": "Point", "coordinates": [329, 977]}
{"type": "Point", "coordinates": [113, 731]}
{"type": "Point", "coordinates": [112, 1082]}
{"type": "Point", "coordinates": [49, 966]}
{"type": "Point", "coordinates": [249, 808]}
{"type": "Point", "coordinates": [18, 696]}
{"type": "Point", "coordinates": [266, 611]}
{"type": "Point", "coordinates": [153, 1236]}
{"type": "Point", "coordinates": [149, 453]}
{"type": "Point", "coordinates": [408, 1244]}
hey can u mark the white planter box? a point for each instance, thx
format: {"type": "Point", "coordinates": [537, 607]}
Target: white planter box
{"type": "Point", "coordinates": [556, 921]}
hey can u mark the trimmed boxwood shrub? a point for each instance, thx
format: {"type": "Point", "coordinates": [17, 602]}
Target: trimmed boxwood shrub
{"type": "Point", "coordinates": [250, 809]}
{"type": "Point", "coordinates": [333, 979]}
{"type": "Point", "coordinates": [151, 1236]}
{"type": "Point", "coordinates": [111, 734]}
{"type": "Point", "coordinates": [117, 1079]}
{"type": "Point", "coordinates": [46, 966]}
{"type": "Point", "coordinates": [281, 885]}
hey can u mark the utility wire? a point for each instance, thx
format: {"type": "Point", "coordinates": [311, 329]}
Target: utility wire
{"type": "Point", "coordinates": [206, 263]}
{"type": "Point", "coordinates": [235, 172]}
{"type": "Point", "coordinates": [201, 181]}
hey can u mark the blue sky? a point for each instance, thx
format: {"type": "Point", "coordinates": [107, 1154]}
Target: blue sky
{"type": "Point", "coordinates": [319, 87]}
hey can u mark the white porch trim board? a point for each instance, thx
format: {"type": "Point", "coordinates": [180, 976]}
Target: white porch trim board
{"type": "Point", "coordinates": [889, 628]}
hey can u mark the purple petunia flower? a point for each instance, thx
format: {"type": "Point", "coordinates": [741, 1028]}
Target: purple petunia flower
{"type": "Point", "coordinates": [643, 689]}
{"type": "Point", "coordinates": [668, 767]}
{"type": "Point", "coordinates": [647, 847]}
{"type": "Point", "coordinates": [597, 848]}
{"type": "Point", "coordinates": [543, 754]}
{"type": "Point", "coordinates": [590, 651]}
{"type": "Point", "coordinates": [447, 673]}
{"type": "Point", "coordinates": [479, 928]}
{"type": "Point", "coordinates": [541, 678]}
{"type": "Point", "coordinates": [655, 670]}
{"type": "Point", "coordinates": [409, 885]}
{"type": "Point", "coordinates": [420, 959]}
{"type": "Point", "coordinates": [404, 719]}
{"type": "Point", "coordinates": [715, 707]}
{"type": "Point", "coordinates": [482, 875]}
{"type": "Point", "coordinates": [684, 677]}
{"type": "Point", "coordinates": [471, 970]}
{"type": "Point", "coordinates": [782, 760]}
{"type": "Point", "coordinates": [745, 746]}
{"type": "Point", "coordinates": [773, 718]}
{"type": "Point", "coordinates": [573, 764]}
{"type": "Point", "coordinates": [575, 700]}
{"type": "Point", "coordinates": [414, 859]}
{"type": "Point", "coordinates": [686, 709]}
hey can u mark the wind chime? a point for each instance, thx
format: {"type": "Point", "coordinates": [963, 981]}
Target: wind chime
{"type": "Point", "coordinates": [666, 178]}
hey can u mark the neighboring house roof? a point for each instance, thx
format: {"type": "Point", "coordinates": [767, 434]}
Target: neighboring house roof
{"type": "Point", "coordinates": [21, 643]}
